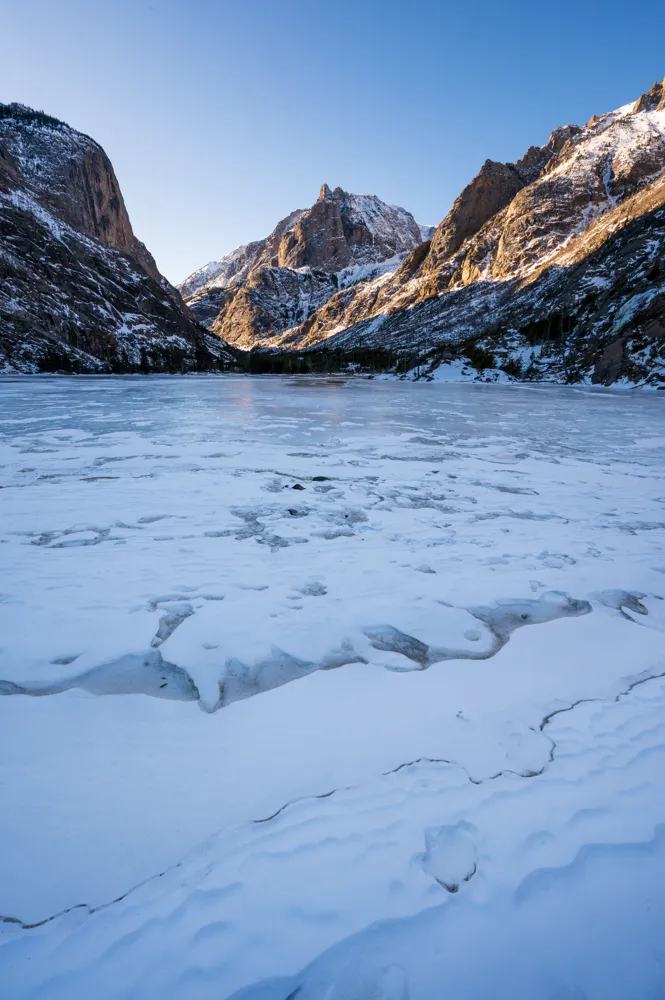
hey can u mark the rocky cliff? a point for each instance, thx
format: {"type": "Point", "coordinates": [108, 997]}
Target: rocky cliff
{"type": "Point", "coordinates": [78, 290]}
{"type": "Point", "coordinates": [550, 267]}
{"type": "Point", "coordinates": [271, 285]}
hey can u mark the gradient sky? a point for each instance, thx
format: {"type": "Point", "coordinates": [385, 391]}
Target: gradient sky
{"type": "Point", "coordinates": [221, 117]}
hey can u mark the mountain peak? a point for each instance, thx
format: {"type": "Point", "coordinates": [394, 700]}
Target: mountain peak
{"type": "Point", "coordinates": [275, 283]}
{"type": "Point", "coordinates": [338, 194]}
{"type": "Point", "coordinates": [653, 100]}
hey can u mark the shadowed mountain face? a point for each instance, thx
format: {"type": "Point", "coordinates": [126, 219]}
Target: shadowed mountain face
{"type": "Point", "coordinates": [551, 267]}
{"type": "Point", "coordinates": [78, 290]}
{"type": "Point", "coordinates": [273, 284]}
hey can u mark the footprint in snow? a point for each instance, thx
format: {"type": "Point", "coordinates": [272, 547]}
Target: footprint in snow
{"type": "Point", "coordinates": [451, 856]}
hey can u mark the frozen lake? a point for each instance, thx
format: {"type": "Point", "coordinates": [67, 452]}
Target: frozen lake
{"type": "Point", "coordinates": [321, 653]}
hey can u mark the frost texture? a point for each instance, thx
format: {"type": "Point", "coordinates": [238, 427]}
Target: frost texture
{"type": "Point", "coordinates": [432, 682]}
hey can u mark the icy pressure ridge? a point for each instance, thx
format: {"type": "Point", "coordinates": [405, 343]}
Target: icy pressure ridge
{"type": "Point", "coordinates": [440, 783]}
{"type": "Point", "coordinates": [149, 673]}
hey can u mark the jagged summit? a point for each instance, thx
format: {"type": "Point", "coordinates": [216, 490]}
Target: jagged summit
{"type": "Point", "coordinates": [557, 258]}
{"type": "Point", "coordinates": [653, 100]}
{"type": "Point", "coordinates": [337, 194]}
{"type": "Point", "coordinates": [269, 285]}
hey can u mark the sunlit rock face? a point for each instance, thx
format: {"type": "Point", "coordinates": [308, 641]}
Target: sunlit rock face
{"type": "Point", "coordinates": [547, 268]}
{"type": "Point", "coordinates": [269, 286]}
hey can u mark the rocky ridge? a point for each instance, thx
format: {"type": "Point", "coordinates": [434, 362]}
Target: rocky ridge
{"type": "Point", "coordinates": [273, 284]}
{"type": "Point", "coordinates": [550, 267]}
{"type": "Point", "coordinates": [78, 291]}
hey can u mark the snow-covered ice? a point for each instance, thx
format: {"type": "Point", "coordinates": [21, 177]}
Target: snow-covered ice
{"type": "Point", "coordinates": [331, 688]}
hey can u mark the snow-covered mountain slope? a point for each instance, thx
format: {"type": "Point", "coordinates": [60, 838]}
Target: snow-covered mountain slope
{"type": "Point", "coordinates": [270, 285]}
{"type": "Point", "coordinates": [79, 292]}
{"type": "Point", "coordinates": [561, 252]}
{"type": "Point", "coordinates": [219, 273]}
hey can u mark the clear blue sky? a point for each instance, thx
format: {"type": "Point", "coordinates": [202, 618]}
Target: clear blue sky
{"type": "Point", "coordinates": [221, 117]}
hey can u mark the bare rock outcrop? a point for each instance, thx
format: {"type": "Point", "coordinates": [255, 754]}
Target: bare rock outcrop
{"type": "Point", "coordinates": [493, 187]}
{"type": "Point", "coordinates": [653, 100]}
{"type": "Point", "coordinates": [266, 287]}
{"type": "Point", "coordinates": [549, 253]}
{"type": "Point", "coordinates": [73, 178]}
{"type": "Point", "coordinates": [78, 290]}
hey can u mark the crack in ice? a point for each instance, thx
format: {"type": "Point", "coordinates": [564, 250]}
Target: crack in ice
{"type": "Point", "coordinates": [91, 910]}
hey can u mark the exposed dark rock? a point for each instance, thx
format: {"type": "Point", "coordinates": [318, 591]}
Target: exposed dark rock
{"type": "Point", "coordinates": [78, 291]}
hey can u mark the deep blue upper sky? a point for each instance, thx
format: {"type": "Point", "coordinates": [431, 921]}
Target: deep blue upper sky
{"type": "Point", "coordinates": [221, 117]}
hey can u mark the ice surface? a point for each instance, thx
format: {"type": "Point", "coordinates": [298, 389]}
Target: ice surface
{"type": "Point", "coordinates": [393, 782]}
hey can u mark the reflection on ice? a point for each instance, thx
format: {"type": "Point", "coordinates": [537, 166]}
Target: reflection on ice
{"type": "Point", "coordinates": [404, 779]}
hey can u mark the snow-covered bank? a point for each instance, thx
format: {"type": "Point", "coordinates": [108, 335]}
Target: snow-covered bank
{"type": "Point", "coordinates": [499, 549]}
